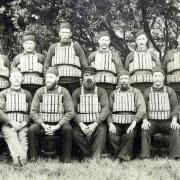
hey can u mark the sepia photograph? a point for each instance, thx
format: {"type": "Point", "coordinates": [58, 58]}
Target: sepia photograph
{"type": "Point", "coordinates": [89, 89]}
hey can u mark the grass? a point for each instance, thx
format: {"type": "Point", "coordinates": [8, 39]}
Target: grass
{"type": "Point", "coordinates": [104, 169]}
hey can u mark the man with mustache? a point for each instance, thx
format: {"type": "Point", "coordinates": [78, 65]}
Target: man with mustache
{"type": "Point", "coordinates": [31, 63]}
{"type": "Point", "coordinates": [68, 56]}
{"type": "Point", "coordinates": [127, 107]}
{"type": "Point", "coordinates": [171, 65]}
{"type": "Point", "coordinates": [51, 110]}
{"type": "Point", "coordinates": [141, 62]}
{"type": "Point", "coordinates": [14, 115]}
{"type": "Point", "coordinates": [162, 115]}
{"type": "Point", "coordinates": [92, 108]}
{"type": "Point", "coordinates": [107, 63]}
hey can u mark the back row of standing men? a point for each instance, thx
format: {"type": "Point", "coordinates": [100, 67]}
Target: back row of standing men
{"type": "Point", "coordinates": [52, 107]}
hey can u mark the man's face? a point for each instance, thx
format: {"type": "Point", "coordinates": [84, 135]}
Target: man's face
{"type": "Point", "coordinates": [51, 81]}
{"type": "Point", "coordinates": [89, 81]}
{"type": "Point", "coordinates": [16, 78]}
{"type": "Point", "coordinates": [141, 41]}
{"type": "Point", "coordinates": [29, 46]}
{"type": "Point", "coordinates": [104, 42]}
{"type": "Point", "coordinates": [158, 79]}
{"type": "Point", "coordinates": [65, 34]}
{"type": "Point", "coordinates": [124, 82]}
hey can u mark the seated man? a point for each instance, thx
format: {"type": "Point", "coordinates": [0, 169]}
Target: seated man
{"type": "Point", "coordinates": [14, 110]}
{"type": "Point", "coordinates": [52, 109]}
{"type": "Point", "coordinates": [128, 107]}
{"type": "Point", "coordinates": [161, 116]}
{"type": "Point", "coordinates": [92, 108]}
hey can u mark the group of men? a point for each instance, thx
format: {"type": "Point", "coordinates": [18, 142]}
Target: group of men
{"type": "Point", "coordinates": [45, 95]}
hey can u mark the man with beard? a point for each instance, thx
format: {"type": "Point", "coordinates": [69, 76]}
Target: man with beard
{"type": "Point", "coordinates": [51, 110]}
{"type": "Point", "coordinates": [171, 65]}
{"type": "Point", "coordinates": [128, 107]}
{"type": "Point", "coordinates": [162, 115]}
{"type": "Point", "coordinates": [69, 57]}
{"type": "Point", "coordinates": [14, 115]}
{"type": "Point", "coordinates": [92, 108]}
{"type": "Point", "coordinates": [107, 63]}
{"type": "Point", "coordinates": [30, 63]}
{"type": "Point", "coordinates": [141, 62]}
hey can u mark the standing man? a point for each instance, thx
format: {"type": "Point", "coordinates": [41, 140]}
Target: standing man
{"type": "Point", "coordinates": [92, 108]}
{"type": "Point", "coordinates": [141, 62]}
{"type": "Point", "coordinates": [4, 72]}
{"type": "Point", "coordinates": [30, 63]}
{"type": "Point", "coordinates": [171, 64]}
{"type": "Point", "coordinates": [51, 110]}
{"type": "Point", "coordinates": [128, 107]}
{"type": "Point", "coordinates": [14, 114]}
{"type": "Point", "coordinates": [107, 63]}
{"type": "Point", "coordinates": [162, 115]}
{"type": "Point", "coordinates": [69, 57]}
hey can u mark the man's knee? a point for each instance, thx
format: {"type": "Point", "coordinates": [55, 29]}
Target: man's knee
{"type": "Point", "coordinates": [8, 132]}
{"type": "Point", "coordinates": [175, 132]}
{"type": "Point", "coordinates": [34, 129]}
{"type": "Point", "coordinates": [130, 135]}
{"type": "Point", "coordinates": [66, 128]}
{"type": "Point", "coordinates": [77, 133]}
{"type": "Point", "coordinates": [145, 133]}
{"type": "Point", "coordinates": [101, 129]}
{"type": "Point", "coordinates": [112, 136]}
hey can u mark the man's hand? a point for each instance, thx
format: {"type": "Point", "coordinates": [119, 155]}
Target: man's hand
{"type": "Point", "coordinates": [174, 124]}
{"type": "Point", "coordinates": [46, 127]}
{"type": "Point", "coordinates": [131, 127]}
{"type": "Point", "coordinates": [146, 124]}
{"type": "Point", "coordinates": [22, 125]}
{"type": "Point", "coordinates": [112, 128]}
{"type": "Point", "coordinates": [83, 127]}
{"type": "Point", "coordinates": [53, 129]}
{"type": "Point", "coordinates": [91, 128]}
{"type": "Point", "coordinates": [15, 125]}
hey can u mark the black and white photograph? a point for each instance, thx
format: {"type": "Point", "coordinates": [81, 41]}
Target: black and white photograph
{"type": "Point", "coordinates": [90, 89]}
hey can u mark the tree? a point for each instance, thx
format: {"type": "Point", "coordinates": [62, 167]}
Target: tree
{"type": "Point", "coordinates": [159, 19]}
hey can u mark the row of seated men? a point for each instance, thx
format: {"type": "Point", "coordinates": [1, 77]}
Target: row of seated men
{"type": "Point", "coordinates": [96, 116]}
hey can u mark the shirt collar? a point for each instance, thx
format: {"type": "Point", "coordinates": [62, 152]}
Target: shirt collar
{"type": "Point", "coordinates": [104, 51]}
{"type": "Point", "coordinates": [26, 53]}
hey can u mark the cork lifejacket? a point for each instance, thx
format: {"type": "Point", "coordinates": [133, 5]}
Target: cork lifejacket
{"type": "Point", "coordinates": [67, 62]}
{"type": "Point", "coordinates": [159, 105]}
{"type": "Point", "coordinates": [106, 68]}
{"type": "Point", "coordinates": [51, 107]}
{"type": "Point", "coordinates": [16, 106]}
{"type": "Point", "coordinates": [141, 67]}
{"type": "Point", "coordinates": [173, 69]}
{"type": "Point", "coordinates": [31, 69]}
{"type": "Point", "coordinates": [124, 103]}
{"type": "Point", "coordinates": [4, 74]}
{"type": "Point", "coordinates": [89, 106]}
